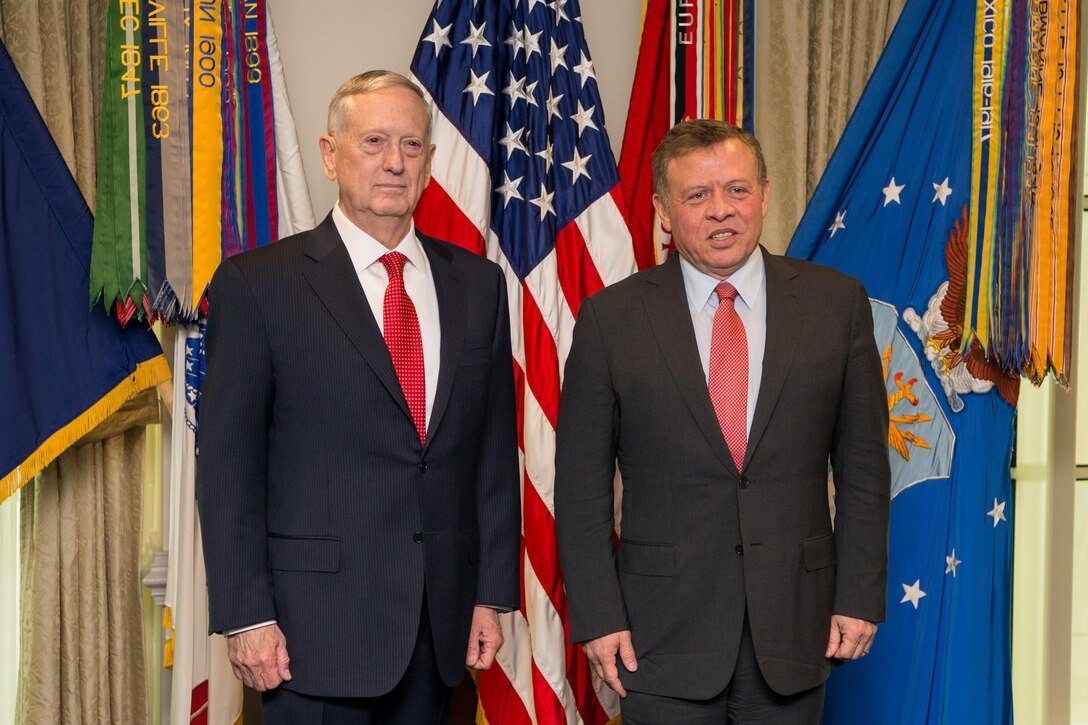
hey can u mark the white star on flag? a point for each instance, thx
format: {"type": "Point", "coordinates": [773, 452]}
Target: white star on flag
{"type": "Point", "coordinates": [584, 118]}
{"type": "Point", "coordinates": [476, 38]}
{"type": "Point", "coordinates": [477, 86]}
{"type": "Point", "coordinates": [891, 192]}
{"type": "Point", "coordinates": [515, 90]}
{"type": "Point", "coordinates": [941, 191]}
{"type": "Point", "coordinates": [557, 54]}
{"type": "Point", "coordinates": [577, 166]}
{"type": "Point", "coordinates": [546, 154]}
{"type": "Point", "coordinates": [552, 104]}
{"type": "Point", "coordinates": [440, 37]}
{"type": "Point", "coordinates": [560, 13]}
{"type": "Point", "coordinates": [585, 69]}
{"type": "Point", "coordinates": [544, 201]}
{"type": "Point", "coordinates": [531, 41]}
{"type": "Point", "coordinates": [516, 41]}
{"type": "Point", "coordinates": [951, 562]}
{"type": "Point", "coordinates": [838, 223]}
{"type": "Point", "coordinates": [997, 512]}
{"type": "Point", "coordinates": [509, 189]}
{"type": "Point", "coordinates": [511, 141]}
{"type": "Point", "coordinates": [912, 593]}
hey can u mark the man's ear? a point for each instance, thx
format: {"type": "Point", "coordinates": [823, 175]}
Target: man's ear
{"type": "Point", "coordinates": [663, 213]}
{"type": "Point", "coordinates": [327, 144]}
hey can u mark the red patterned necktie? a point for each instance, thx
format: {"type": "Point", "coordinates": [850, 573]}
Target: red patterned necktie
{"type": "Point", "coordinates": [728, 382]}
{"type": "Point", "coordinates": [401, 329]}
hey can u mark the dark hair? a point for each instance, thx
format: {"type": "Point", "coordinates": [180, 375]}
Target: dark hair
{"type": "Point", "coordinates": [688, 136]}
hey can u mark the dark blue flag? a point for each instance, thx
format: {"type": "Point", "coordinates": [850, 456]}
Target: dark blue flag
{"type": "Point", "coordinates": [891, 209]}
{"type": "Point", "coordinates": [63, 368]}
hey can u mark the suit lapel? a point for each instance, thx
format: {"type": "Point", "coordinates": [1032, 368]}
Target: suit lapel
{"type": "Point", "coordinates": [449, 287]}
{"type": "Point", "coordinates": [330, 273]}
{"type": "Point", "coordinates": [670, 319]}
{"type": "Point", "coordinates": [785, 314]}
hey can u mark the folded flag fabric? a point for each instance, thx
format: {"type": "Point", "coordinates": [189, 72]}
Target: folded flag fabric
{"type": "Point", "coordinates": [63, 367]}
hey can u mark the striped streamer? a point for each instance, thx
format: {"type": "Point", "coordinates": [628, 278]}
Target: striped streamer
{"type": "Point", "coordinates": [173, 299]}
{"type": "Point", "coordinates": [1023, 180]}
{"type": "Point", "coordinates": [118, 258]}
{"type": "Point", "coordinates": [992, 33]}
{"type": "Point", "coordinates": [207, 133]}
{"type": "Point", "coordinates": [257, 122]}
{"type": "Point", "coordinates": [704, 59]}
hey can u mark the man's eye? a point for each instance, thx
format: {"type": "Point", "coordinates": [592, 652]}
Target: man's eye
{"type": "Point", "coordinates": [697, 196]}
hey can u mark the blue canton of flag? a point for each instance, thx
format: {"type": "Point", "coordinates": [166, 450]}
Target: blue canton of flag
{"type": "Point", "coordinates": [514, 77]}
{"type": "Point", "coordinates": [891, 210]}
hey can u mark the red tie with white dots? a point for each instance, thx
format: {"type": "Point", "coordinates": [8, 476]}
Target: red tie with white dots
{"type": "Point", "coordinates": [401, 329]}
{"type": "Point", "coordinates": [728, 380]}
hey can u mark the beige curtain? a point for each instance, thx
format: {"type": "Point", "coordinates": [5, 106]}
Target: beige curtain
{"type": "Point", "coordinates": [812, 61]}
{"type": "Point", "coordinates": [81, 639]}
{"type": "Point", "coordinates": [59, 48]}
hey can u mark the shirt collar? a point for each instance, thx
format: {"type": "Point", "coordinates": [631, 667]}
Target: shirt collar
{"type": "Point", "coordinates": [747, 280]}
{"type": "Point", "coordinates": [365, 250]}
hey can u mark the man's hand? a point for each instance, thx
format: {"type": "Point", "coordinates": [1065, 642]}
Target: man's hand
{"type": "Point", "coordinates": [602, 656]}
{"type": "Point", "coordinates": [484, 639]}
{"type": "Point", "coordinates": [850, 638]}
{"type": "Point", "coordinates": [259, 657]}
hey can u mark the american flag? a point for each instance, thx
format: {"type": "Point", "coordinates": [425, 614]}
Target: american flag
{"type": "Point", "coordinates": [524, 174]}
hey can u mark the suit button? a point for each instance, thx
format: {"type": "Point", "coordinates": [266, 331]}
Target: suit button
{"type": "Point", "coordinates": [739, 548]}
{"type": "Point", "coordinates": [423, 467]}
{"type": "Point", "coordinates": [744, 482]}
{"type": "Point", "coordinates": [418, 537]}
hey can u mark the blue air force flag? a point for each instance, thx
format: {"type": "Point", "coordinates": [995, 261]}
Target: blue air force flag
{"type": "Point", "coordinates": [891, 210]}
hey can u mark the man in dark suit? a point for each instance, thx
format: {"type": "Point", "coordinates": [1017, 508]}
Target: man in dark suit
{"type": "Point", "coordinates": [722, 383]}
{"type": "Point", "coordinates": [358, 475]}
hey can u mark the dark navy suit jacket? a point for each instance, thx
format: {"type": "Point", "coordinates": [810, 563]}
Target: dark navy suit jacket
{"type": "Point", "coordinates": [319, 506]}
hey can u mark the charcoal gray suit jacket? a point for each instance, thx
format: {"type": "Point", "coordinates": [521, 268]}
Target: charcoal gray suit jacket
{"type": "Point", "coordinates": [702, 542]}
{"type": "Point", "coordinates": [319, 506]}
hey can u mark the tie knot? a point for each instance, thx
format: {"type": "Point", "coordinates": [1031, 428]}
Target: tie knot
{"type": "Point", "coordinates": [726, 291]}
{"type": "Point", "coordinates": [394, 264]}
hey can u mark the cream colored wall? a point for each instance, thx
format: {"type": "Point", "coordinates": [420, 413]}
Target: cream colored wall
{"type": "Point", "coordinates": [324, 42]}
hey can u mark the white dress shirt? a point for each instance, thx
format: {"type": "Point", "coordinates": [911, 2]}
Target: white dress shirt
{"type": "Point", "coordinates": [366, 252]}
{"type": "Point", "coordinates": [750, 281]}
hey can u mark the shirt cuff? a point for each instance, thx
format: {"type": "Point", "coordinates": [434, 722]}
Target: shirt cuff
{"type": "Point", "coordinates": [232, 632]}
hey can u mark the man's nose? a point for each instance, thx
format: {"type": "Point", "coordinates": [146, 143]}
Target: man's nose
{"type": "Point", "coordinates": [393, 158]}
{"type": "Point", "coordinates": [721, 207]}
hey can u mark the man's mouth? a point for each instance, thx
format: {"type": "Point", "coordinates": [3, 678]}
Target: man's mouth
{"type": "Point", "coordinates": [721, 236]}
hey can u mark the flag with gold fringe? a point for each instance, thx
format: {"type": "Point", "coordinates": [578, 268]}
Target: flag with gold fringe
{"type": "Point", "coordinates": [694, 61]}
{"type": "Point", "coordinates": [934, 198]}
{"type": "Point", "coordinates": [63, 368]}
